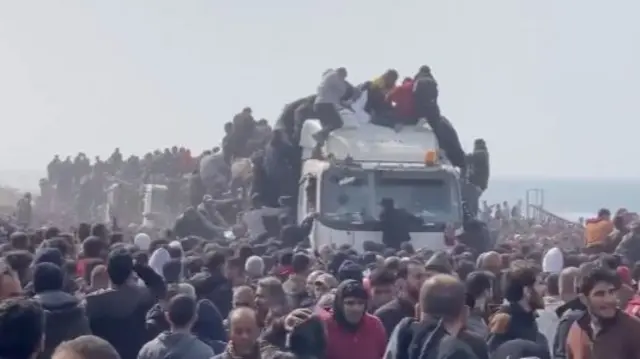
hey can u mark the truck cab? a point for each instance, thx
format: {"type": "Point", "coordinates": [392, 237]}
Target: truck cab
{"type": "Point", "coordinates": [364, 163]}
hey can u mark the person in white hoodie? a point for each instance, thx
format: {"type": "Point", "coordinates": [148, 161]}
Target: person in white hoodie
{"type": "Point", "coordinates": [552, 265]}
{"type": "Point", "coordinates": [329, 97]}
{"type": "Point", "coordinates": [547, 318]}
{"type": "Point", "coordinates": [553, 261]}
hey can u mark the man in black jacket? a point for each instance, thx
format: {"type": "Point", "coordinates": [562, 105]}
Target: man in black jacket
{"type": "Point", "coordinates": [118, 315]}
{"type": "Point", "coordinates": [412, 275]}
{"type": "Point", "coordinates": [211, 283]}
{"type": "Point", "coordinates": [65, 317]}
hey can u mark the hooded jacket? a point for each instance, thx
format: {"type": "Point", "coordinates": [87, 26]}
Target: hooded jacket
{"type": "Point", "coordinates": [125, 307]}
{"type": "Point", "coordinates": [214, 287]}
{"type": "Point", "coordinates": [332, 88]}
{"type": "Point", "coordinates": [65, 319]}
{"type": "Point", "coordinates": [365, 340]}
{"type": "Point", "coordinates": [168, 345]}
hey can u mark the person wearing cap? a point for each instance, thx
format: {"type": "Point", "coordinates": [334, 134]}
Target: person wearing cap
{"type": "Point", "coordinates": [323, 284]}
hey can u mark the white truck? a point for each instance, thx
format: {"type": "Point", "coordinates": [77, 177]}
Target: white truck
{"type": "Point", "coordinates": [364, 163]}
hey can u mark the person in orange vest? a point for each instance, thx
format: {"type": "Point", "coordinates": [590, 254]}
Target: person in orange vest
{"type": "Point", "coordinates": [597, 232]}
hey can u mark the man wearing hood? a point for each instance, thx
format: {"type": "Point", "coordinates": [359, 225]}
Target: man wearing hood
{"type": "Point", "coordinates": [211, 283]}
{"type": "Point", "coordinates": [64, 314]}
{"type": "Point", "coordinates": [178, 342]}
{"type": "Point", "coordinates": [125, 304]}
{"type": "Point", "coordinates": [352, 333]}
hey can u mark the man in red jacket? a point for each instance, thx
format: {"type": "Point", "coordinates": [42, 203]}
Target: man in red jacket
{"type": "Point", "coordinates": [402, 99]}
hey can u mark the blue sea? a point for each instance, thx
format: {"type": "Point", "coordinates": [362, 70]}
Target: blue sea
{"type": "Point", "coordinates": [568, 198]}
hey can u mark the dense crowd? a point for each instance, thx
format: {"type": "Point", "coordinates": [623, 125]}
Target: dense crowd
{"type": "Point", "coordinates": [97, 293]}
{"type": "Point", "coordinates": [235, 276]}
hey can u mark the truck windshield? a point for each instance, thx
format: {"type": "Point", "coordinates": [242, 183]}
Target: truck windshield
{"type": "Point", "coordinates": [428, 198]}
{"type": "Point", "coordinates": [347, 198]}
{"type": "Point", "coordinates": [356, 199]}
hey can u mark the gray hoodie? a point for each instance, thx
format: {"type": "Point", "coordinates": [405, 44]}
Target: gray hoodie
{"type": "Point", "coordinates": [168, 345]}
{"type": "Point", "coordinates": [332, 88]}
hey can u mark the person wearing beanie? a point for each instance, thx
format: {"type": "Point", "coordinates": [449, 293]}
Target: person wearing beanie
{"type": "Point", "coordinates": [254, 267]}
{"type": "Point", "coordinates": [350, 270]}
{"type": "Point", "coordinates": [118, 314]}
{"type": "Point", "coordinates": [65, 318]}
{"type": "Point", "coordinates": [142, 241]}
{"type": "Point", "coordinates": [439, 263]}
{"type": "Point", "coordinates": [48, 255]}
{"type": "Point", "coordinates": [172, 271]}
{"type": "Point", "coordinates": [175, 249]}
{"type": "Point", "coordinates": [211, 282]}
{"type": "Point", "coordinates": [349, 321]}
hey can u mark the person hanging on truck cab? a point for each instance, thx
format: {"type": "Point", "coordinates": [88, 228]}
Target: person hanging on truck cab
{"type": "Point", "coordinates": [277, 164]}
{"type": "Point", "coordinates": [478, 165]}
{"type": "Point", "coordinates": [287, 121]}
{"type": "Point", "coordinates": [425, 92]}
{"type": "Point", "coordinates": [395, 224]}
{"type": "Point", "coordinates": [331, 91]}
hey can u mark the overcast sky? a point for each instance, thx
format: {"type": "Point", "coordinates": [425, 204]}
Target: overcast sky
{"type": "Point", "coordinates": [551, 85]}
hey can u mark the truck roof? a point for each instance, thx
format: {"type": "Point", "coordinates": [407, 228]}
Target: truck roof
{"type": "Point", "coordinates": [366, 142]}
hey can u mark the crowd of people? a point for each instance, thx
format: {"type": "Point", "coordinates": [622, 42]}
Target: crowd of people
{"type": "Point", "coordinates": [97, 293]}
{"type": "Point", "coordinates": [236, 277]}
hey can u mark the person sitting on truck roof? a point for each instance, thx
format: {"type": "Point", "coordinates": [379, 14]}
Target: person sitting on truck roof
{"type": "Point", "coordinates": [401, 97]}
{"type": "Point", "coordinates": [331, 91]}
{"type": "Point", "coordinates": [377, 91]}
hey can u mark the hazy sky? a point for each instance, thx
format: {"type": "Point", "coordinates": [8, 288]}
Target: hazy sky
{"type": "Point", "coordinates": [551, 85]}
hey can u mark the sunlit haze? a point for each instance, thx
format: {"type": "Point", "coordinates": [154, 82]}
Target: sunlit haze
{"type": "Point", "coordinates": [551, 85]}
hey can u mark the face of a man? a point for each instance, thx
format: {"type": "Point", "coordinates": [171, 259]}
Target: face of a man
{"type": "Point", "coordinates": [602, 300]}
